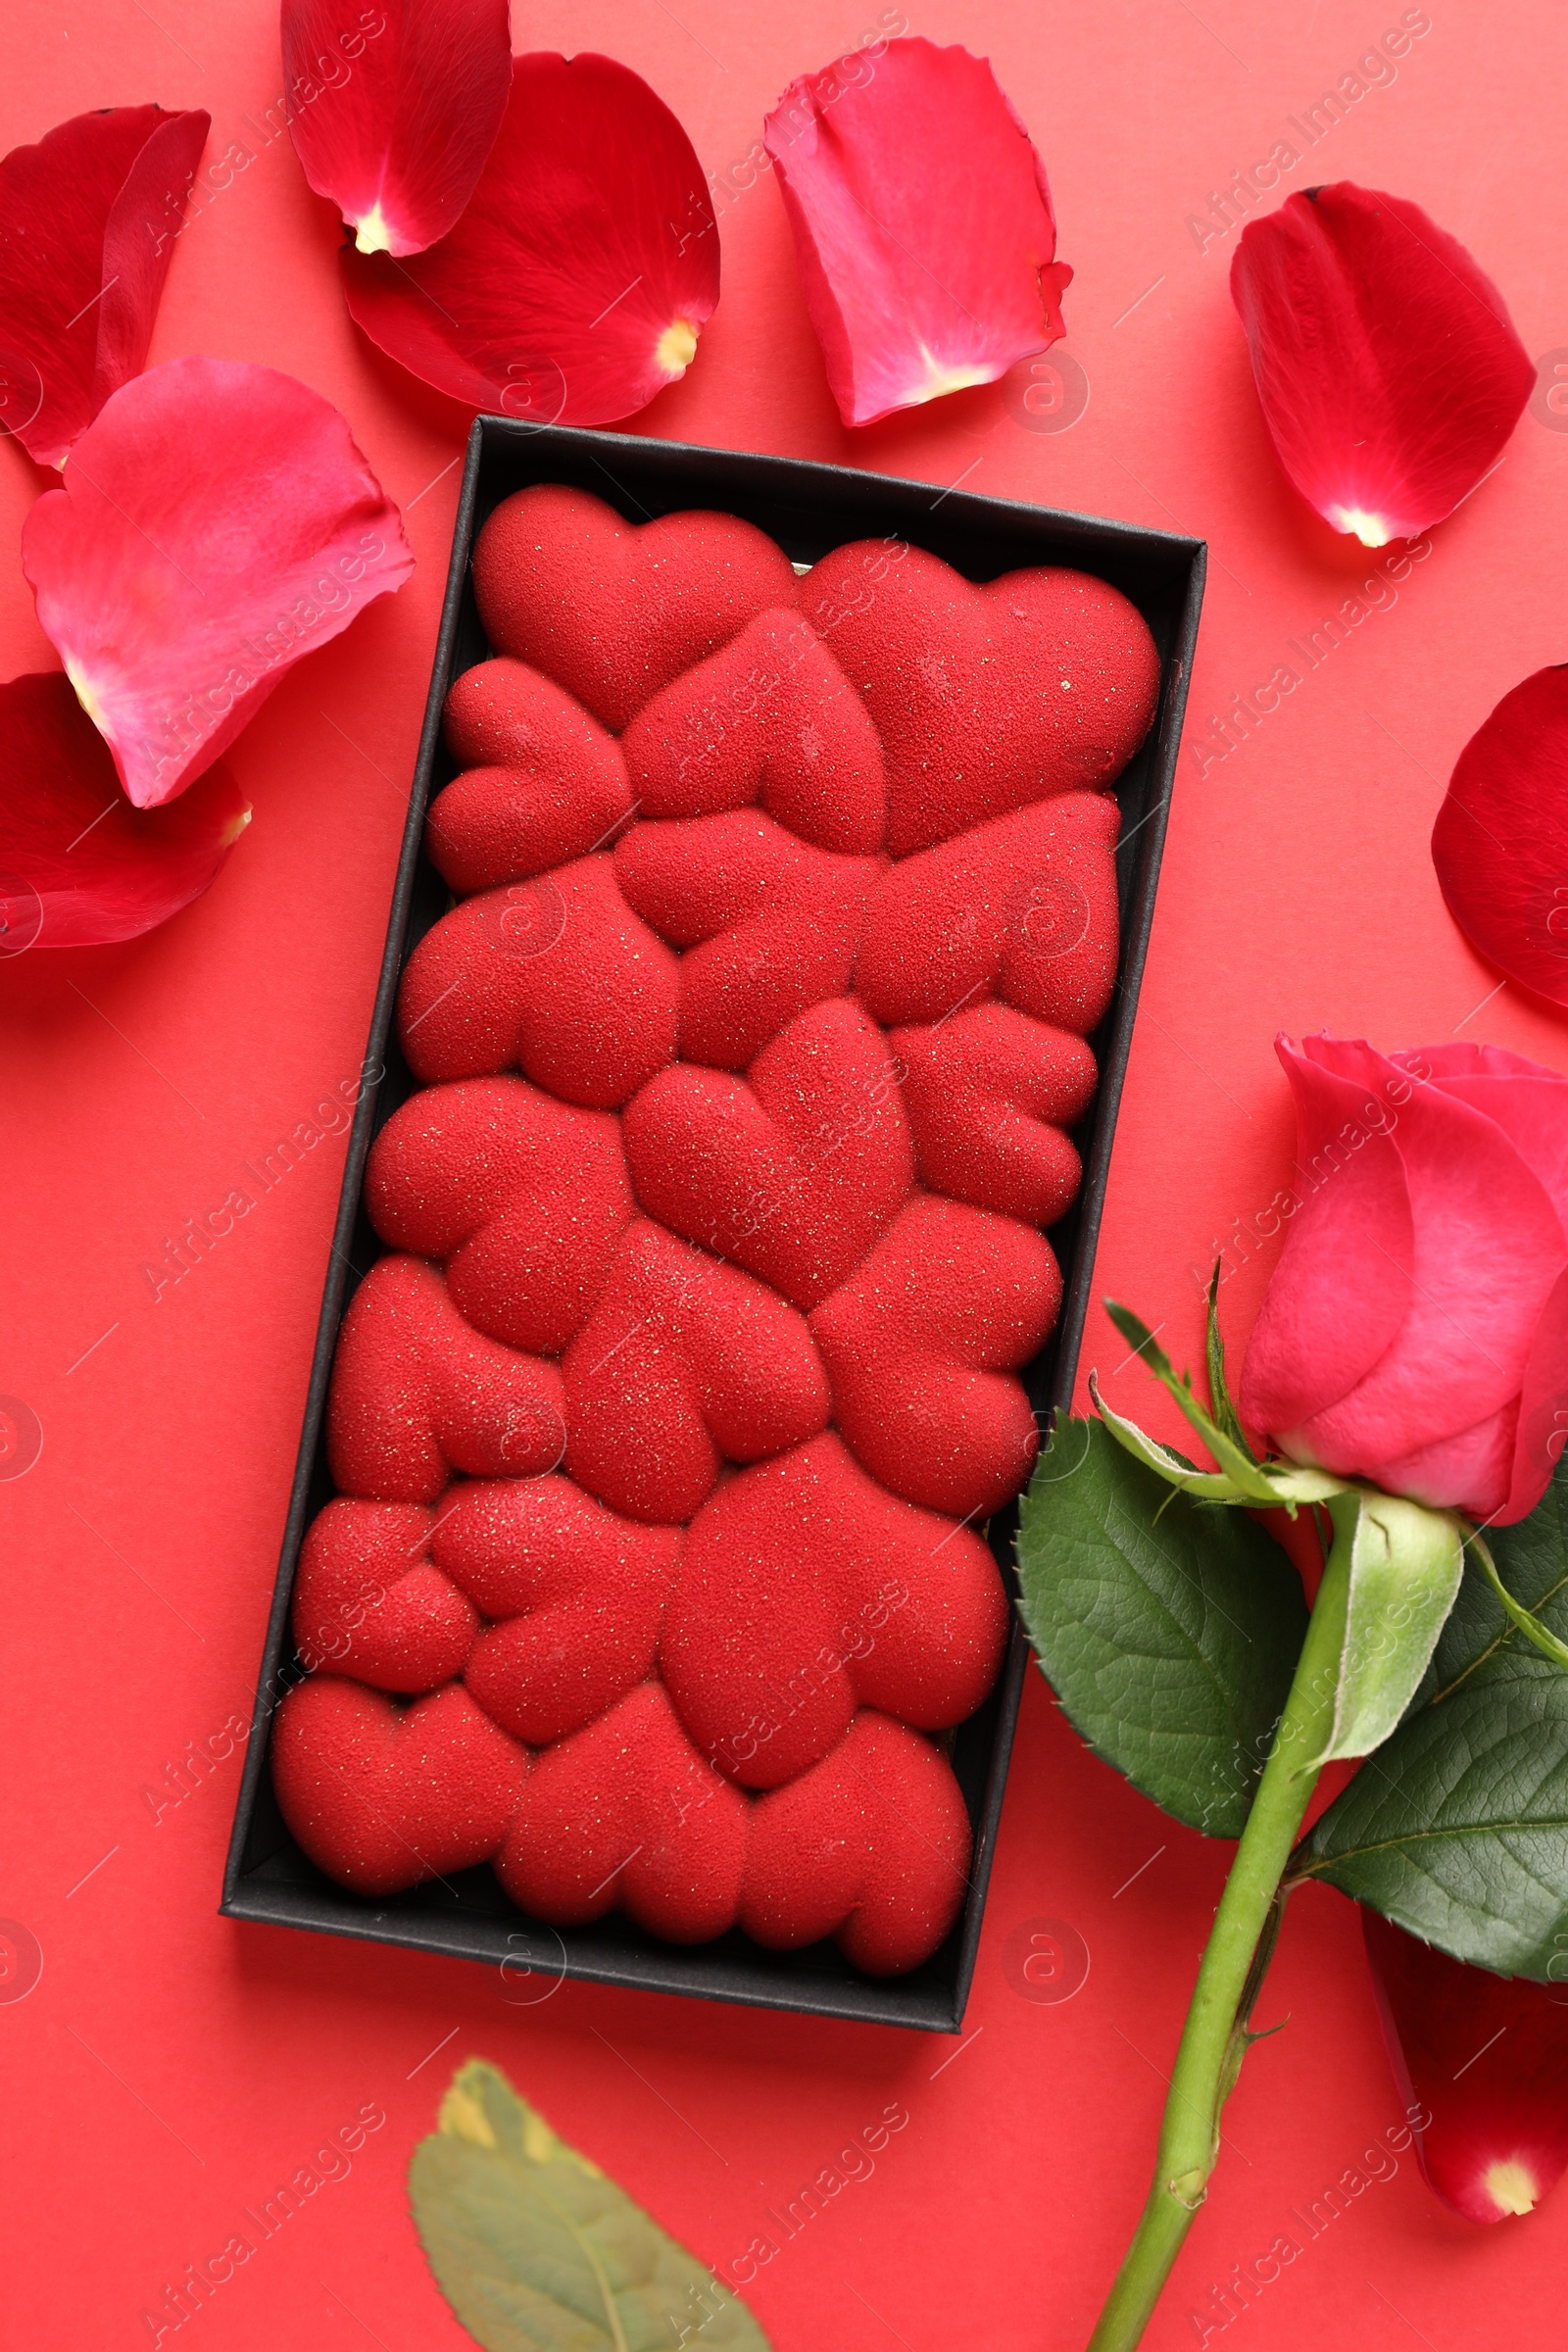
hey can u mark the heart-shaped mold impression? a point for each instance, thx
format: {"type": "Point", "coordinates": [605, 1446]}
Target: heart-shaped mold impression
{"type": "Point", "coordinates": [770, 925]}
{"type": "Point", "coordinates": [917, 1344]}
{"type": "Point", "coordinates": [685, 1362]}
{"type": "Point", "coordinates": [543, 782]}
{"type": "Point", "coordinates": [557, 977]}
{"type": "Point", "coordinates": [417, 1393]}
{"type": "Point", "coordinates": [382, 1797]}
{"type": "Point", "coordinates": [525, 1199]}
{"type": "Point", "coordinates": [988, 1094]}
{"type": "Point", "coordinates": [831, 1594]}
{"type": "Point", "coordinates": [985, 697]}
{"type": "Point", "coordinates": [625, 1815]}
{"type": "Point", "coordinates": [615, 610]}
{"type": "Point", "coordinates": [792, 1171]}
{"type": "Point", "coordinates": [368, 1602]}
{"type": "Point", "coordinates": [772, 719]}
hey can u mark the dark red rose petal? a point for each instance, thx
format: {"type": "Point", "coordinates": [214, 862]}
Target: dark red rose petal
{"type": "Point", "coordinates": [88, 219]}
{"type": "Point", "coordinates": [575, 285]}
{"type": "Point", "coordinates": [78, 865]}
{"type": "Point", "coordinates": [1481, 2065]}
{"type": "Point", "coordinates": [393, 109]}
{"type": "Point", "coordinates": [216, 524]}
{"type": "Point", "coordinates": [1501, 842]}
{"type": "Point", "coordinates": [922, 223]}
{"type": "Point", "coordinates": [1387, 364]}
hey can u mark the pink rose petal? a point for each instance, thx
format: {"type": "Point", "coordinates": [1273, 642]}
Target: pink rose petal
{"type": "Point", "coordinates": [78, 865]}
{"type": "Point", "coordinates": [393, 109]}
{"type": "Point", "coordinates": [88, 219]}
{"type": "Point", "coordinates": [1415, 1329]}
{"type": "Point", "coordinates": [216, 524]}
{"type": "Point", "coordinates": [1342, 1288]}
{"type": "Point", "coordinates": [922, 221]}
{"type": "Point", "coordinates": [573, 287]}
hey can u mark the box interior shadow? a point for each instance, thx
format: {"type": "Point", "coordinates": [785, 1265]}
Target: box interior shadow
{"type": "Point", "coordinates": [807, 509]}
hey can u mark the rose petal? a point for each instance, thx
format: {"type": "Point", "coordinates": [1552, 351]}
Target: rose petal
{"type": "Point", "coordinates": [1487, 1247]}
{"type": "Point", "coordinates": [78, 865]}
{"type": "Point", "coordinates": [1387, 364]}
{"type": "Point", "coordinates": [1526, 1100]}
{"type": "Point", "coordinates": [922, 221]}
{"type": "Point", "coordinates": [1481, 2065]}
{"type": "Point", "coordinates": [1472, 1469]}
{"type": "Point", "coordinates": [394, 124]}
{"type": "Point", "coordinates": [88, 219]}
{"type": "Point", "coordinates": [1543, 1423]}
{"type": "Point", "coordinates": [1342, 1289]}
{"type": "Point", "coordinates": [573, 287]}
{"type": "Point", "coordinates": [1501, 842]}
{"type": "Point", "coordinates": [216, 524]}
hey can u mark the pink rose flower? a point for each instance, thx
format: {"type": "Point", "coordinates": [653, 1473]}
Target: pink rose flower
{"type": "Point", "coordinates": [1415, 1331]}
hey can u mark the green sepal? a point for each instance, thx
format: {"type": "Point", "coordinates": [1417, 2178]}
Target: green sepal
{"type": "Point", "coordinates": [1212, 1485]}
{"type": "Point", "coordinates": [1226, 1417]}
{"type": "Point", "coordinates": [1405, 1566]}
{"type": "Point", "coordinates": [1526, 1620]}
{"type": "Point", "coordinates": [1244, 1476]}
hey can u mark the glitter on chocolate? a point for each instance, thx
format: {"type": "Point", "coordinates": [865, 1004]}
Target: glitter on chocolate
{"type": "Point", "coordinates": [716, 1232]}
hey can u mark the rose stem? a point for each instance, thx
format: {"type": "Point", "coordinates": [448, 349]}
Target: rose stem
{"type": "Point", "coordinates": [1214, 2037]}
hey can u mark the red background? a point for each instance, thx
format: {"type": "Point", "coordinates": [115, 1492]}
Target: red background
{"type": "Point", "coordinates": [170, 2067]}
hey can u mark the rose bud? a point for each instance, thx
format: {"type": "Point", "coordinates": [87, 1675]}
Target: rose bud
{"type": "Point", "coordinates": [1482, 2066]}
{"type": "Point", "coordinates": [1415, 1331]}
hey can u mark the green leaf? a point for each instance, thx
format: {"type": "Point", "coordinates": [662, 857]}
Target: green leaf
{"type": "Point", "coordinates": [1406, 1567]}
{"type": "Point", "coordinates": [537, 2250]}
{"type": "Point", "coordinates": [1457, 1828]}
{"type": "Point", "coordinates": [1170, 1645]}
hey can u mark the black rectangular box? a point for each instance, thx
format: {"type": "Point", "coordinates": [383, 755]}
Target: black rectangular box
{"type": "Point", "coordinates": [808, 510]}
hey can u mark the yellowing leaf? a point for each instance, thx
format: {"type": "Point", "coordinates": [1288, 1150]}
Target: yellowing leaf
{"type": "Point", "coordinates": [537, 2250]}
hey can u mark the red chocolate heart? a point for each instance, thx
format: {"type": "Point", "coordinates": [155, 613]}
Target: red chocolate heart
{"type": "Point", "coordinates": [417, 1393]}
{"type": "Point", "coordinates": [770, 925]}
{"type": "Point", "coordinates": [523, 1197]}
{"type": "Point", "coordinates": [985, 697]}
{"type": "Point", "coordinates": [543, 781]}
{"type": "Point", "coordinates": [625, 1815]}
{"type": "Point", "coordinates": [831, 1594]}
{"type": "Point", "coordinates": [988, 1094]}
{"type": "Point", "coordinates": [1023, 908]}
{"type": "Point", "coordinates": [578, 1594]}
{"type": "Point", "coordinates": [616, 609]}
{"type": "Point", "coordinates": [872, 1845]}
{"type": "Point", "coordinates": [369, 1602]}
{"type": "Point", "coordinates": [916, 1344]}
{"type": "Point", "coordinates": [382, 1797]}
{"type": "Point", "coordinates": [773, 719]}
{"type": "Point", "coordinates": [685, 1362]}
{"type": "Point", "coordinates": [555, 976]}
{"type": "Point", "coordinates": [793, 1171]}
